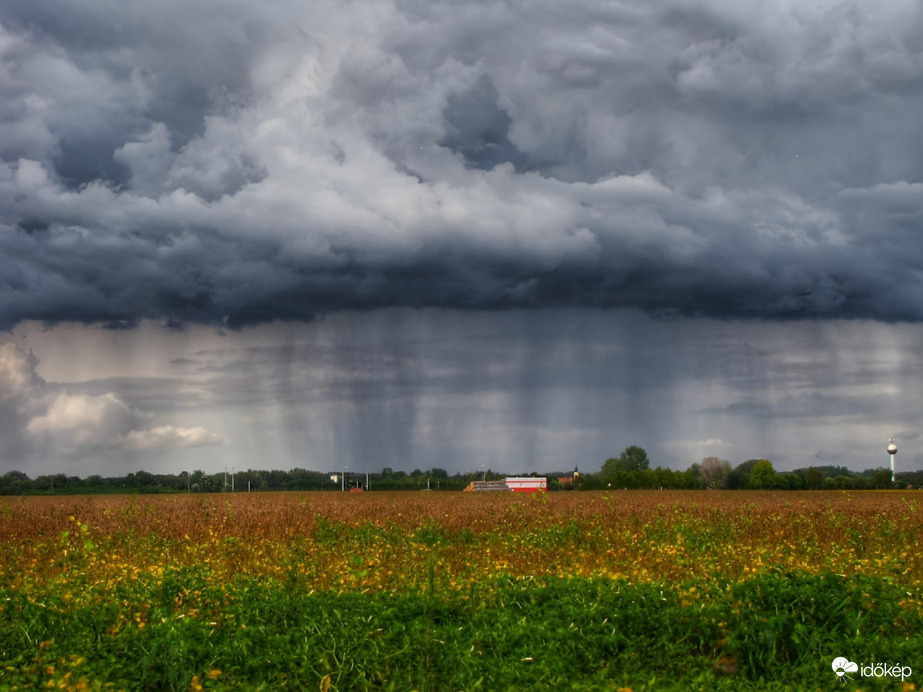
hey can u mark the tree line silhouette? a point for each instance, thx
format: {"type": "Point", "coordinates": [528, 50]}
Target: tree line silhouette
{"type": "Point", "coordinates": [630, 470]}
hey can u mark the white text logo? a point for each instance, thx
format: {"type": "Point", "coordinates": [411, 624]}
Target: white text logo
{"type": "Point", "coordinates": [842, 666]}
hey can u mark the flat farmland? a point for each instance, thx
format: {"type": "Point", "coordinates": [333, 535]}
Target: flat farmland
{"type": "Point", "coordinates": [457, 591]}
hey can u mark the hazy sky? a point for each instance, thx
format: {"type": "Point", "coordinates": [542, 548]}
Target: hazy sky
{"type": "Point", "coordinates": [414, 234]}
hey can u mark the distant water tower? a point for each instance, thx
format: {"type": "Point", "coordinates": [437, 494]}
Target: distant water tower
{"type": "Point", "coordinates": [892, 450]}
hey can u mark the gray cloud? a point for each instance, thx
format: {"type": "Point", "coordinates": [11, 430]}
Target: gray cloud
{"type": "Point", "coordinates": [229, 163]}
{"type": "Point", "coordinates": [514, 390]}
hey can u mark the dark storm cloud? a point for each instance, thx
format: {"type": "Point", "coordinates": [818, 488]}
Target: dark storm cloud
{"type": "Point", "coordinates": [478, 129]}
{"type": "Point", "coordinates": [230, 163]}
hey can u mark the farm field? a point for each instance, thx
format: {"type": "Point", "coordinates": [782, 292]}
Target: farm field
{"type": "Point", "coordinates": [460, 591]}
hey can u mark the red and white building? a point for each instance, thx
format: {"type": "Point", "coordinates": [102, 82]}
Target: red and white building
{"type": "Point", "coordinates": [527, 485]}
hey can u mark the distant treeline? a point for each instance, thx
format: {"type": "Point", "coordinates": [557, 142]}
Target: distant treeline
{"type": "Point", "coordinates": [17, 482]}
{"type": "Point", "coordinates": [631, 470]}
{"type": "Point", "coordinates": [740, 478]}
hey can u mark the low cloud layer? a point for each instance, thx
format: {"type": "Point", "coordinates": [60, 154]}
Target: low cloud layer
{"type": "Point", "coordinates": [40, 419]}
{"type": "Point", "coordinates": [515, 391]}
{"type": "Point", "coordinates": [230, 163]}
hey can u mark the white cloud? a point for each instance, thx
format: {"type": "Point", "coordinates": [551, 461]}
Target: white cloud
{"type": "Point", "coordinates": [168, 436]}
{"type": "Point", "coordinates": [36, 418]}
{"type": "Point", "coordinates": [17, 372]}
{"type": "Point", "coordinates": [79, 421]}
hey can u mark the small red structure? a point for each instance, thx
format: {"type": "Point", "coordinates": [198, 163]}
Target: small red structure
{"type": "Point", "coordinates": [569, 480]}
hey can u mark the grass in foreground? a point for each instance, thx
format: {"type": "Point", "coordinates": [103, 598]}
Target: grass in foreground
{"type": "Point", "coordinates": [576, 592]}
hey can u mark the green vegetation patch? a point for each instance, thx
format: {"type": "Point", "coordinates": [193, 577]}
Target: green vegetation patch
{"type": "Point", "coordinates": [774, 631]}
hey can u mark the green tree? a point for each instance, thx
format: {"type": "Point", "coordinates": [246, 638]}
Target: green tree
{"type": "Point", "coordinates": [197, 481]}
{"type": "Point", "coordinates": [814, 478]}
{"type": "Point", "coordinates": [740, 476]}
{"type": "Point", "coordinates": [762, 476]}
{"type": "Point", "coordinates": [14, 481]}
{"type": "Point", "coordinates": [881, 478]}
{"type": "Point", "coordinates": [634, 458]}
{"type": "Point", "coordinates": [714, 472]}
